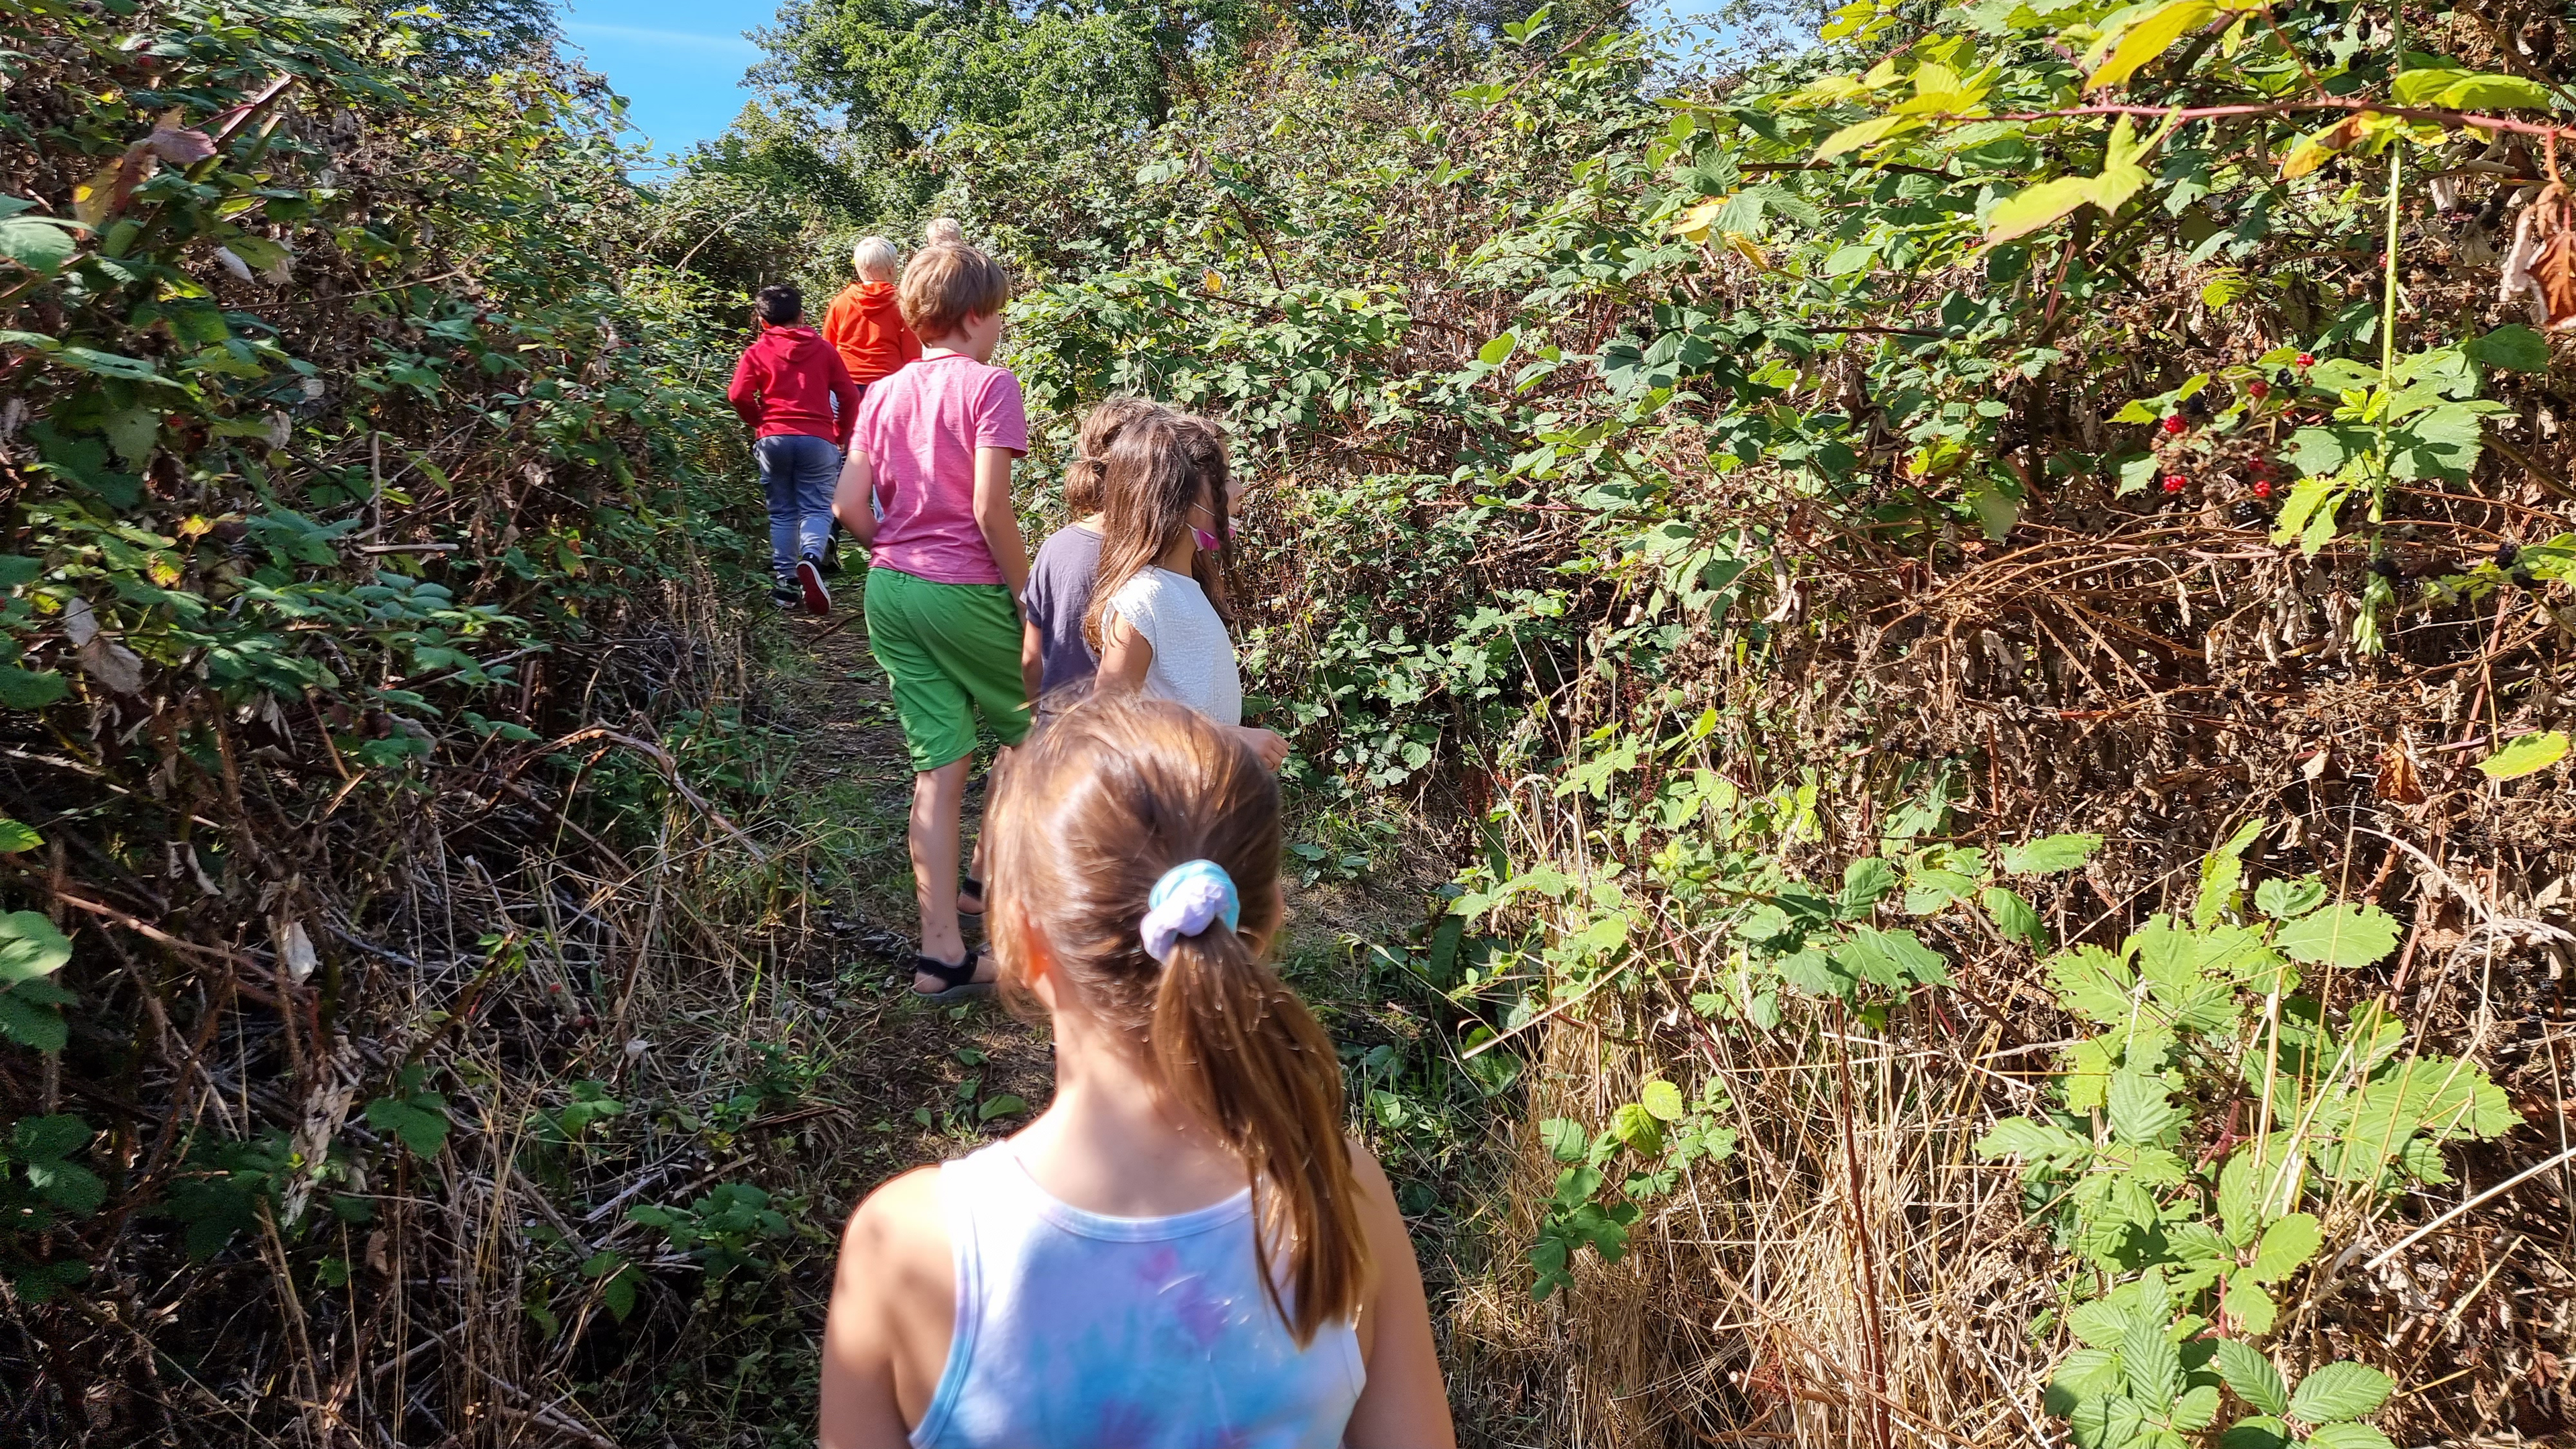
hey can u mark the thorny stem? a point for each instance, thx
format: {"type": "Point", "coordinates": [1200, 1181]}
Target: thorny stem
{"type": "Point", "coordinates": [2436, 115]}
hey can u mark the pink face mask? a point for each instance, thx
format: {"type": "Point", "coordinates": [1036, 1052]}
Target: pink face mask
{"type": "Point", "coordinates": [1208, 542]}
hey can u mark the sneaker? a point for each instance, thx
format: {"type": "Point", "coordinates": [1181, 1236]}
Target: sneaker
{"type": "Point", "coordinates": [809, 577]}
{"type": "Point", "coordinates": [786, 598]}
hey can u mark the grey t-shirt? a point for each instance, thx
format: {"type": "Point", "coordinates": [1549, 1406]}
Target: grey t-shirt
{"type": "Point", "coordinates": [1058, 595]}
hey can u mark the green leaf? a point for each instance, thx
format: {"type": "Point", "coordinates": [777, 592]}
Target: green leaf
{"type": "Point", "coordinates": [1866, 882]}
{"type": "Point", "coordinates": [2196, 1409]}
{"type": "Point", "coordinates": [31, 1023]}
{"type": "Point", "coordinates": [1002, 1105]}
{"type": "Point", "coordinates": [2514, 347]}
{"type": "Point", "coordinates": [1565, 1139]}
{"type": "Point", "coordinates": [2151, 1360]}
{"type": "Point", "coordinates": [2087, 1373]}
{"type": "Point", "coordinates": [41, 244]}
{"type": "Point", "coordinates": [15, 837]}
{"type": "Point", "coordinates": [15, 569]}
{"type": "Point", "coordinates": [2340, 1391]}
{"type": "Point", "coordinates": [2258, 1432]}
{"type": "Point", "coordinates": [2149, 38]}
{"type": "Point", "coordinates": [2140, 1109]}
{"type": "Point", "coordinates": [30, 947]}
{"type": "Point", "coordinates": [2050, 854]}
{"type": "Point", "coordinates": [29, 688]}
{"type": "Point", "coordinates": [2092, 983]}
{"type": "Point", "coordinates": [1496, 352]}
{"type": "Point", "coordinates": [2285, 900]}
{"type": "Point", "coordinates": [2222, 871]}
{"type": "Point", "coordinates": [419, 1119]}
{"type": "Point", "coordinates": [2341, 935]}
{"type": "Point", "coordinates": [2247, 1303]}
{"type": "Point", "coordinates": [1662, 1100]}
{"type": "Point", "coordinates": [1890, 958]}
{"type": "Point", "coordinates": [1930, 891]}
{"type": "Point", "coordinates": [2014, 917]}
{"type": "Point", "coordinates": [2286, 1245]}
{"type": "Point", "coordinates": [2526, 755]}
{"type": "Point", "coordinates": [2465, 91]}
{"type": "Point", "coordinates": [2246, 1370]}
{"type": "Point", "coordinates": [2036, 1141]}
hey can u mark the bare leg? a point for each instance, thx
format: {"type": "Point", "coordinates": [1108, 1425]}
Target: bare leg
{"type": "Point", "coordinates": [936, 798]}
{"type": "Point", "coordinates": [984, 829]}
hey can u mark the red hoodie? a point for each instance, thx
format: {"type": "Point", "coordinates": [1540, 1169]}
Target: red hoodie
{"type": "Point", "coordinates": [864, 323]}
{"type": "Point", "coordinates": [787, 382]}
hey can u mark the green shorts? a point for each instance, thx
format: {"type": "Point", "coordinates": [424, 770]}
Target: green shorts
{"type": "Point", "coordinates": [951, 651]}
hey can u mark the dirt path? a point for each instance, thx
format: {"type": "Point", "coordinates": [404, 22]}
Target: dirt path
{"type": "Point", "coordinates": [941, 1078]}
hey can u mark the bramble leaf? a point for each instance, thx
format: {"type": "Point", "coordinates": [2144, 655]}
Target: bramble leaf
{"type": "Point", "coordinates": [2525, 755]}
{"type": "Point", "coordinates": [2341, 935]}
{"type": "Point", "coordinates": [2247, 1371]}
{"type": "Point", "coordinates": [2340, 1391]}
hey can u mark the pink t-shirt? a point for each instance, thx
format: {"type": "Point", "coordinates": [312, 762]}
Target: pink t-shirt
{"type": "Point", "coordinates": [919, 430]}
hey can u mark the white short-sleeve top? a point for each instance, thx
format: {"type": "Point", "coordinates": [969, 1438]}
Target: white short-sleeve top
{"type": "Point", "coordinates": [1193, 655]}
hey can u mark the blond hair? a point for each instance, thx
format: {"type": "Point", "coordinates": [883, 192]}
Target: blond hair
{"type": "Point", "coordinates": [945, 285]}
{"type": "Point", "coordinates": [875, 259]}
{"type": "Point", "coordinates": [1086, 479]}
{"type": "Point", "coordinates": [943, 231]}
{"type": "Point", "coordinates": [1106, 798]}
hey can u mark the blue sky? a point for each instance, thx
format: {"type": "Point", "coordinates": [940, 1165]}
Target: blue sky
{"type": "Point", "coordinates": [679, 63]}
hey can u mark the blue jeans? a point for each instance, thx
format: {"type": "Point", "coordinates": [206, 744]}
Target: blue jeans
{"type": "Point", "coordinates": [798, 472]}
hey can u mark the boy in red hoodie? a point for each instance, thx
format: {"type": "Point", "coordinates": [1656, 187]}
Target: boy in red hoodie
{"type": "Point", "coordinates": [864, 323]}
{"type": "Point", "coordinates": [795, 394]}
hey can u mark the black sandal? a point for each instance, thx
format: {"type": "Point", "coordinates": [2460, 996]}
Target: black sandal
{"type": "Point", "coordinates": [976, 888]}
{"type": "Point", "coordinates": [960, 982]}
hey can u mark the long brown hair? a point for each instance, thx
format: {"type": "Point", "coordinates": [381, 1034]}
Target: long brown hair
{"type": "Point", "coordinates": [1103, 799]}
{"type": "Point", "coordinates": [1153, 477]}
{"type": "Point", "coordinates": [1086, 480]}
{"type": "Point", "coordinates": [1206, 443]}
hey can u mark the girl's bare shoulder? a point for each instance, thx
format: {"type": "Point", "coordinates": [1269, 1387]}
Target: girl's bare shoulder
{"type": "Point", "coordinates": [897, 1232]}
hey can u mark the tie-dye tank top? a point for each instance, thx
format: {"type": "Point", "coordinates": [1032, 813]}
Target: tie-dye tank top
{"type": "Point", "coordinates": [1078, 1331]}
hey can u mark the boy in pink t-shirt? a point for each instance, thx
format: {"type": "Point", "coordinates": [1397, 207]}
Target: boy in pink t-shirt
{"type": "Point", "coordinates": [934, 446]}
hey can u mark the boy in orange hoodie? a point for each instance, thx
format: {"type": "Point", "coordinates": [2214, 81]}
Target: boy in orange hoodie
{"type": "Point", "coordinates": [863, 322]}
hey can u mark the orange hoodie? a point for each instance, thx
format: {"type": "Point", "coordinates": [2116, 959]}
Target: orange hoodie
{"type": "Point", "coordinates": [868, 330]}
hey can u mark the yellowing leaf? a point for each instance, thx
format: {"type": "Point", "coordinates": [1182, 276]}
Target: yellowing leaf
{"type": "Point", "coordinates": [2319, 146]}
{"type": "Point", "coordinates": [2033, 207]}
{"type": "Point", "coordinates": [2151, 37]}
{"type": "Point", "coordinates": [1213, 281]}
{"type": "Point", "coordinates": [1865, 133]}
{"type": "Point", "coordinates": [1744, 247]}
{"type": "Point", "coordinates": [1693, 225]}
{"type": "Point", "coordinates": [2526, 755]}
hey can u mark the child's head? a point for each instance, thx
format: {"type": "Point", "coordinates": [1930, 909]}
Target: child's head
{"type": "Point", "coordinates": [1136, 880]}
{"type": "Point", "coordinates": [874, 259]}
{"type": "Point", "coordinates": [943, 232]}
{"type": "Point", "coordinates": [1205, 443]}
{"type": "Point", "coordinates": [947, 288]}
{"type": "Point", "coordinates": [1085, 483]}
{"type": "Point", "coordinates": [780, 306]}
{"type": "Point", "coordinates": [1156, 498]}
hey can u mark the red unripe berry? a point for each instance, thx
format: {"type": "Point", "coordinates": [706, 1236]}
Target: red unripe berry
{"type": "Point", "coordinates": [2262, 489]}
{"type": "Point", "coordinates": [2258, 388]}
{"type": "Point", "coordinates": [2307, 359]}
{"type": "Point", "coordinates": [2175, 482]}
{"type": "Point", "coordinates": [2175, 424]}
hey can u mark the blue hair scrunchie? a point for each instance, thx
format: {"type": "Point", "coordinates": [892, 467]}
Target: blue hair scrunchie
{"type": "Point", "coordinates": [1188, 899]}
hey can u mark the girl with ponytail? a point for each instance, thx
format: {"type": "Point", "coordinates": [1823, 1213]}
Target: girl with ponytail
{"type": "Point", "coordinates": [1183, 1250]}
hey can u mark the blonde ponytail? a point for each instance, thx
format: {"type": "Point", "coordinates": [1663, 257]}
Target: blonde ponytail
{"type": "Point", "coordinates": [1104, 800]}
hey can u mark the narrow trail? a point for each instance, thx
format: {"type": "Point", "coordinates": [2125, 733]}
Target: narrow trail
{"type": "Point", "coordinates": [933, 1080]}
